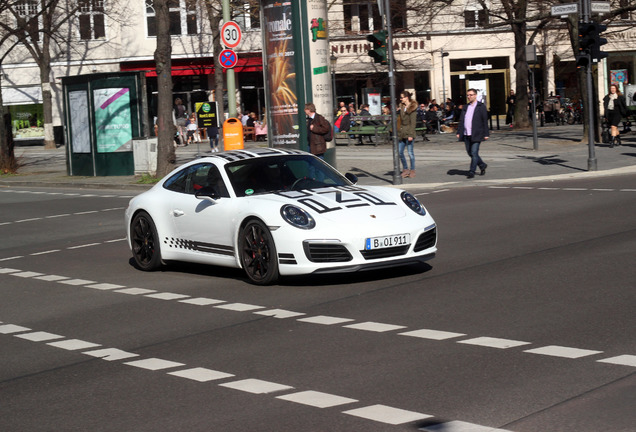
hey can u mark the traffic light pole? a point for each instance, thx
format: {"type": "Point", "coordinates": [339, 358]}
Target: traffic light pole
{"type": "Point", "coordinates": [397, 178]}
{"type": "Point", "coordinates": [591, 161]}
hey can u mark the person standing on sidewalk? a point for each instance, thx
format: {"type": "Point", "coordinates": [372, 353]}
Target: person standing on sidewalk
{"type": "Point", "coordinates": [473, 129]}
{"type": "Point", "coordinates": [615, 109]}
{"type": "Point", "coordinates": [407, 119]}
{"type": "Point", "coordinates": [510, 114]}
{"type": "Point", "coordinates": [317, 128]}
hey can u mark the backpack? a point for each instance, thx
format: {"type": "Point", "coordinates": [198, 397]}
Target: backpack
{"type": "Point", "coordinates": [329, 135]}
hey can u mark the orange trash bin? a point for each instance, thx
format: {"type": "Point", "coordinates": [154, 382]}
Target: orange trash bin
{"type": "Point", "coordinates": [233, 134]}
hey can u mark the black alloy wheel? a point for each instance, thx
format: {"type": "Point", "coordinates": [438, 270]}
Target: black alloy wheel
{"type": "Point", "coordinates": [258, 253]}
{"type": "Point", "coordinates": [145, 242]}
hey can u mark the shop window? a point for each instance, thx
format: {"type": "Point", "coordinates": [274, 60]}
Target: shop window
{"type": "Point", "coordinates": [91, 19]}
{"type": "Point", "coordinates": [182, 15]}
{"type": "Point", "coordinates": [27, 11]}
{"type": "Point", "coordinates": [247, 14]}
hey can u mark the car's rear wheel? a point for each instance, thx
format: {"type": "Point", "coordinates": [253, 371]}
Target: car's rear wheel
{"type": "Point", "coordinates": [258, 253]}
{"type": "Point", "coordinates": [145, 242]}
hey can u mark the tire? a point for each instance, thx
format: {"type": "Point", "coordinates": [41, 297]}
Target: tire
{"type": "Point", "coordinates": [145, 242]}
{"type": "Point", "coordinates": [258, 253]}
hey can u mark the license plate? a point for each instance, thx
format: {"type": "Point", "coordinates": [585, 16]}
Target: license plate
{"type": "Point", "coordinates": [387, 241]}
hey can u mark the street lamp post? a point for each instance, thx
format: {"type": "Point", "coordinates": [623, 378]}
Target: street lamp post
{"type": "Point", "coordinates": [332, 61]}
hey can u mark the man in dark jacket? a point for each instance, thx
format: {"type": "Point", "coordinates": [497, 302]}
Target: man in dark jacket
{"type": "Point", "coordinates": [317, 127]}
{"type": "Point", "coordinates": [473, 129]}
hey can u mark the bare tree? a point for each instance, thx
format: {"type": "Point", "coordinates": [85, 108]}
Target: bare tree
{"type": "Point", "coordinates": [163, 62]}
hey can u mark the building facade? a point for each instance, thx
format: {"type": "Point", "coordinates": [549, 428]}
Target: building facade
{"type": "Point", "coordinates": [441, 49]}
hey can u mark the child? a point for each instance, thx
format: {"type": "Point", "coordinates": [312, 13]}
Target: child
{"type": "Point", "coordinates": [191, 130]}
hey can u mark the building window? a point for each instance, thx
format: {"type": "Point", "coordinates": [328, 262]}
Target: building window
{"type": "Point", "coordinates": [27, 10]}
{"type": "Point", "coordinates": [475, 18]}
{"type": "Point", "coordinates": [247, 14]}
{"type": "Point", "coordinates": [361, 16]}
{"type": "Point", "coordinates": [91, 19]}
{"type": "Point", "coordinates": [180, 23]}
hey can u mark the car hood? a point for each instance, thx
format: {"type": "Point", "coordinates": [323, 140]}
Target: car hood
{"type": "Point", "coordinates": [343, 204]}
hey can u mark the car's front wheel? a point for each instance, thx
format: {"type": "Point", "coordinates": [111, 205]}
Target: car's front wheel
{"type": "Point", "coordinates": [258, 253]}
{"type": "Point", "coordinates": [145, 242]}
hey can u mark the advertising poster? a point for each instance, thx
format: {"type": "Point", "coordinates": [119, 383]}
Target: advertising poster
{"type": "Point", "coordinates": [80, 127]}
{"type": "Point", "coordinates": [113, 123]}
{"type": "Point", "coordinates": [206, 114]}
{"type": "Point", "coordinates": [281, 73]}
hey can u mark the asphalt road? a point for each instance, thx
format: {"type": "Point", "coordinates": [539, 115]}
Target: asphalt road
{"type": "Point", "coordinates": [523, 322]}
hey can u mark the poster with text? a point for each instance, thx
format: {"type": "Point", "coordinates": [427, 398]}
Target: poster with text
{"type": "Point", "coordinates": [113, 122]}
{"type": "Point", "coordinates": [281, 73]}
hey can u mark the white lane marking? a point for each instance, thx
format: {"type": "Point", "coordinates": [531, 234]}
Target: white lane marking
{"type": "Point", "coordinates": [201, 301]}
{"type": "Point", "coordinates": [135, 291]}
{"type": "Point", "coordinates": [432, 334]}
{"type": "Point", "coordinates": [386, 414]}
{"type": "Point", "coordinates": [624, 360]}
{"type": "Point", "coordinates": [76, 282]}
{"type": "Point", "coordinates": [45, 252]}
{"type": "Point", "coordinates": [27, 274]}
{"type": "Point", "coordinates": [110, 354]}
{"type": "Point", "coordinates": [256, 386]}
{"type": "Point", "coordinates": [324, 320]}
{"type": "Point", "coordinates": [493, 342]}
{"type": "Point", "coordinates": [57, 216]}
{"type": "Point", "coordinates": [167, 296]}
{"type": "Point", "coordinates": [104, 286]}
{"type": "Point", "coordinates": [28, 220]}
{"type": "Point", "coordinates": [83, 246]}
{"type": "Point", "coordinates": [201, 374]}
{"type": "Point", "coordinates": [317, 399]}
{"type": "Point", "coordinates": [460, 426]}
{"type": "Point", "coordinates": [627, 190]}
{"type": "Point", "coordinates": [279, 313]}
{"type": "Point", "coordinates": [374, 327]}
{"type": "Point", "coordinates": [603, 190]}
{"type": "Point", "coordinates": [5, 270]}
{"type": "Point", "coordinates": [574, 189]}
{"type": "Point", "coordinates": [12, 328]}
{"type": "Point", "coordinates": [561, 351]}
{"type": "Point", "coordinates": [12, 258]}
{"type": "Point", "coordinates": [116, 240]}
{"type": "Point", "coordinates": [86, 212]}
{"type": "Point", "coordinates": [51, 278]}
{"type": "Point", "coordinates": [73, 344]}
{"type": "Point", "coordinates": [549, 188]}
{"type": "Point", "coordinates": [154, 364]}
{"type": "Point", "coordinates": [39, 336]}
{"type": "Point", "coordinates": [239, 307]}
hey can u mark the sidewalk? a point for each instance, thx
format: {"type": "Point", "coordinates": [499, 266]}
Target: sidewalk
{"type": "Point", "coordinates": [440, 162]}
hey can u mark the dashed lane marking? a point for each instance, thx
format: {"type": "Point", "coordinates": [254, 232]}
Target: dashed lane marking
{"type": "Point", "coordinates": [39, 336]}
{"type": "Point", "coordinates": [256, 386]}
{"type": "Point", "coordinates": [432, 334]}
{"type": "Point", "coordinates": [386, 414]}
{"type": "Point", "coordinates": [154, 364]}
{"type": "Point", "coordinates": [317, 399]}
{"type": "Point", "coordinates": [201, 374]}
{"type": "Point", "coordinates": [83, 213]}
{"type": "Point", "coordinates": [459, 426]}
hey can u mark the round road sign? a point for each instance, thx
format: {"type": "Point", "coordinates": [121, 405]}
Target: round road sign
{"type": "Point", "coordinates": [231, 34]}
{"type": "Point", "coordinates": [228, 58]}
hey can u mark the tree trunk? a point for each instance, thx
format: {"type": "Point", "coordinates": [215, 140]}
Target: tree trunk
{"type": "Point", "coordinates": [215, 15]}
{"type": "Point", "coordinates": [163, 60]}
{"type": "Point", "coordinates": [522, 119]}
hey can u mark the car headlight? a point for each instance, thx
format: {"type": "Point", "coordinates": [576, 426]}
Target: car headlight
{"type": "Point", "coordinates": [297, 217]}
{"type": "Point", "coordinates": [413, 203]}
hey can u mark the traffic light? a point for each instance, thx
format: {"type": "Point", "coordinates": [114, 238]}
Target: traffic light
{"type": "Point", "coordinates": [379, 47]}
{"type": "Point", "coordinates": [596, 52]}
{"type": "Point", "coordinates": [588, 33]}
{"type": "Point", "coordinates": [582, 60]}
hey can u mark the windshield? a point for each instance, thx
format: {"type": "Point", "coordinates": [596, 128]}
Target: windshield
{"type": "Point", "coordinates": [282, 173]}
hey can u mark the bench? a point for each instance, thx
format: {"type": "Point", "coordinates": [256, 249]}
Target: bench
{"type": "Point", "coordinates": [248, 132]}
{"type": "Point", "coordinates": [376, 127]}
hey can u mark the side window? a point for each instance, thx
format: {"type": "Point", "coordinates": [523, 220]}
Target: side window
{"type": "Point", "coordinates": [197, 177]}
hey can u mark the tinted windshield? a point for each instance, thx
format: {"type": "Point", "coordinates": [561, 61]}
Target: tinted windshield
{"type": "Point", "coordinates": [281, 173]}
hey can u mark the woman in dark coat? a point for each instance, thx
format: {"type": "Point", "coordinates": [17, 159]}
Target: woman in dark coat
{"type": "Point", "coordinates": [407, 118]}
{"type": "Point", "coordinates": [615, 109]}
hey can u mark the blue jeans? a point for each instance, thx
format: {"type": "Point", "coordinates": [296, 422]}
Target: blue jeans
{"type": "Point", "coordinates": [472, 148]}
{"type": "Point", "coordinates": [409, 146]}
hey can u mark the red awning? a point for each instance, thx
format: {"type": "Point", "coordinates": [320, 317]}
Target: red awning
{"type": "Point", "coordinates": [194, 66]}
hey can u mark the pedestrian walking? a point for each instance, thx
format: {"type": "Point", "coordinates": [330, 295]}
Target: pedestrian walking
{"type": "Point", "coordinates": [615, 109]}
{"type": "Point", "coordinates": [473, 129]}
{"type": "Point", "coordinates": [317, 128]}
{"type": "Point", "coordinates": [510, 114]}
{"type": "Point", "coordinates": [406, 132]}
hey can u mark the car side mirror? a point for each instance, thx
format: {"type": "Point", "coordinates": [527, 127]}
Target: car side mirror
{"type": "Point", "coordinates": [351, 177]}
{"type": "Point", "coordinates": [207, 193]}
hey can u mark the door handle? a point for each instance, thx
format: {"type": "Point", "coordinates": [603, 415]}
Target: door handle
{"type": "Point", "coordinates": [178, 212]}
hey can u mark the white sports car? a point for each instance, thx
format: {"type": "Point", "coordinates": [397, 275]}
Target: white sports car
{"type": "Point", "coordinates": [275, 212]}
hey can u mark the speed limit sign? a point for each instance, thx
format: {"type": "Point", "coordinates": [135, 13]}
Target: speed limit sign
{"type": "Point", "coordinates": [231, 34]}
